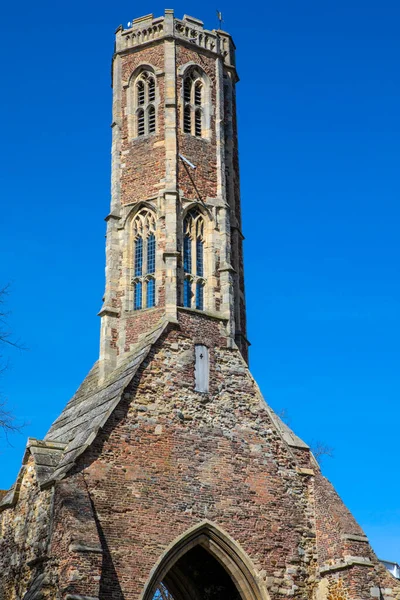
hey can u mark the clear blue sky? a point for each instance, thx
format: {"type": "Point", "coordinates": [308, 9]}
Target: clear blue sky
{"type": "Point", "coordinates": [319, 121]}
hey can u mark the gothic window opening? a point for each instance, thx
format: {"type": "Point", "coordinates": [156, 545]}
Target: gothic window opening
{"type": "Point", "coordinates": [140, 119]}
{"type": "Point", "coordinates": [197, 123]}
{"type": "Point", "coordinates": [197, 575]}
{"type": "Point", "coordinates": [193, 260]}
{"type": "Point", "coordinates": [152, 119]}
{"type": "Point", "coordinates": [187, 120]}
{"type": "Point", "coordinates": [193, 101]}
{"type": "Point", "coordinates": [144, 260]}
{"type": "Point", "coordinates": [145, 104]}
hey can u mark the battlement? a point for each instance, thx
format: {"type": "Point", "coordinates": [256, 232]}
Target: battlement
{"type": "Point", "coordinates": [149, 30]}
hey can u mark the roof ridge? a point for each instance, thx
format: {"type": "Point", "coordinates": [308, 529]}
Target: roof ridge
{"type": "Point", "coordinates": [79, 423]}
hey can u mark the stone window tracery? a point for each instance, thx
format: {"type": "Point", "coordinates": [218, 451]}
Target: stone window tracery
{"type": "Point", "coordinates": [193, 260]}
{"type": "Point", "coordinates": [145, 97]}
{"type": "Point", "coordinates": [194, 100]}
{"type": "Point", "coordinates": [144, 260]}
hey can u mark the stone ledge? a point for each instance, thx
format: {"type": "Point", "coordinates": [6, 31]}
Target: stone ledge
{"type": "Point", "coordinates": [304, 471]}
{"type": "Point", "coordinates": [202, 313]}
{"type": "Point", "coordinates": [350, 561]}
{"type": "Point", "coordinates": [83, 548]}
{"type": "Point", "coordinates": [354, 538]}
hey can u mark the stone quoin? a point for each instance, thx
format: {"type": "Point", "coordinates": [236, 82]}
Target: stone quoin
{"type": "Point", "coordinates": [167, 476]}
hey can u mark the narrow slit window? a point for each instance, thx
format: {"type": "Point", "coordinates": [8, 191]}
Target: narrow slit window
{"type": "Point", "coordinates": [199, 296]}
{"type": "Point", "coordinates": [151, 293]}
{"type": "Point", "coordinates": [152, 119]}
{"type": "Point", "coordinates": [187, 254]}
{"type": "Point", "coordinates": [201, 368]}
{"type": "Point", "coordinates": [187, 89]}
{"type": "Point", "coordinates": [152, 90]}
{"type": "Point", "coordinates": [187, 293]}
{"type": "Point", "coordinates": [151, 254]}
{"type": "Point", "coordinates": [197, 94]}
{"type": "Point", "coordinates": [199, 258]}
{"type": "Point", "coordinates": [187, 122]}
{"type": "Point", "coordinates": [197, 123]}
{"type": "Point", "coordinates": [140, 93]}
{"type": "Point", "coordinates": [195, 113]}
{"type": "Point", "coordinates": [138, 257]}
{"type": "Point", "coordinates": [140, 118]}
{"type": "Point", "coordinates": [137, 291]}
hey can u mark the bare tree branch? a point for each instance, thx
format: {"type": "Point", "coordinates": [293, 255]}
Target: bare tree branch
{"type": "Point", "coordinates": [321, 450]}
{"type": "Point", "coordinates": [318, 448]}
{"type": "Point", "coordinates": [7, 419]}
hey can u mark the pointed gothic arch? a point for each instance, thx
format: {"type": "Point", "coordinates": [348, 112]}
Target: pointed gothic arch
{"type": "Point", "coordinates": [195, 100]}
{"type": "Point", "coordinates": [231, 558]}
{"type": "Point", "coordinates": [142, 240]}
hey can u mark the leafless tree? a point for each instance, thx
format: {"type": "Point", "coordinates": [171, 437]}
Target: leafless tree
{"type": "Point", "coordinates": [319, 449]}
{"type": "Point", "coordinates": [7, 420]}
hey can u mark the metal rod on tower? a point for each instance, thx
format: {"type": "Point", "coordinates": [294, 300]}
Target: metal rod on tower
{"type": "Point", "coordinates": [220, 20]}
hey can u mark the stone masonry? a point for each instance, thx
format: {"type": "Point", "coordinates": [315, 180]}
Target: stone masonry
{"type": "Point", "coordinates": [146, 486]}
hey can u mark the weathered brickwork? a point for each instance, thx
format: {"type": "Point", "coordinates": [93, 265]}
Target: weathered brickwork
{"type": "Point", "coordinates": [201, 151]}
{"type": "Point", "coordinates": [24, 537]}
{"type": "Point", "coordinates": [143, 159]}
{"type": "Point", "coordinates": [142, 480]}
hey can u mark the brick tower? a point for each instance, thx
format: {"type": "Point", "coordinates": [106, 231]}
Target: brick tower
{"type": "Point", "coordinates": [174, 240]}
{"type": "Point", "coordinates": [167, 476]}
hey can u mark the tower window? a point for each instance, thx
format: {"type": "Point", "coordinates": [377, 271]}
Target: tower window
{"type": "Point", "coordinates": [138, 256]}
{"type": "Point", "coordinates": [199, 257]}
{"type": "Point", "coordinates": [145, 96]}
{"type": "Point", "coordinates": [152, 119]}
{"type": "Point", "coordinates": [187, 122]}
{"type": "Point", "coordinates": [187, 254]}
{"type": "Point", "coordinates": [137, 295]}
{"type": "Point", "coordinates": [197, 122]}
{"type": "Point", "coordinates": [199, 296]}
{"type": "Point", "coordinates": [144, 261]}
{"type": "Point", "coordinates": [197, 93]}
{"type": "Point", "coordinates": [140, 92]}
{"type": "Point", "coordinates": [151, 293]}
{"type": "Point", "coordinates": [187, 293]}
{"type": "Point", "coordinates": [193, 260]}
{"type": "Point", "coordinates": [141, 124]}
{"type": "Point", "coordinates": [151, 253]}
{"type": "Point", "coordinates": [193, 101]}
{"type": "Point", "coordinates": [152, 89]}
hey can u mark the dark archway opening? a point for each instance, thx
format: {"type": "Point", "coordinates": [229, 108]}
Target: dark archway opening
{"type": "Point", "coordinates": [197, 575]}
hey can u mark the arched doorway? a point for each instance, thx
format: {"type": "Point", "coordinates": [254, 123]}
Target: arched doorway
{"type": "Point", "coordinates": [204, 564]}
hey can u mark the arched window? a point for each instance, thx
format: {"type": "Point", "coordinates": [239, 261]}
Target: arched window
{"type": "Point", "coordinates": [193, 260]}
{"type": "Point", "coordinates": [145, 99]}
{"type": "Point", "coordinates": [144, 260]}
{"type": "Point", "coordinates": [193, 100]}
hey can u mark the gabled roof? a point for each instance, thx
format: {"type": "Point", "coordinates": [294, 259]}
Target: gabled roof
{"type": "Point", "coordinates": [84, 415]}
{"type": "Point", "coordinates": [89, 409]}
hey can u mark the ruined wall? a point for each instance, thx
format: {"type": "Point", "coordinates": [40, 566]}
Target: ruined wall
{"type": "Point", "coordinates": [24, 537]}
{"type": "Point", "coordinates": [170, 457]}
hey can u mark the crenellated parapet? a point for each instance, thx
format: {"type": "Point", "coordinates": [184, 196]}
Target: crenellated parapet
{"type": "Point", "coordinates": [147, 30]}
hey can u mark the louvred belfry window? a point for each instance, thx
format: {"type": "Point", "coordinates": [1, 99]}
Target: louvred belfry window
{"type": "Point", "coordinates": [193, 103]}
{"type": "Point", "coordinates": [193, 260]}
{"type": "Point", "coordinates": [145, 104]}
{"type": "Point", "coordinates": [144, 260]}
